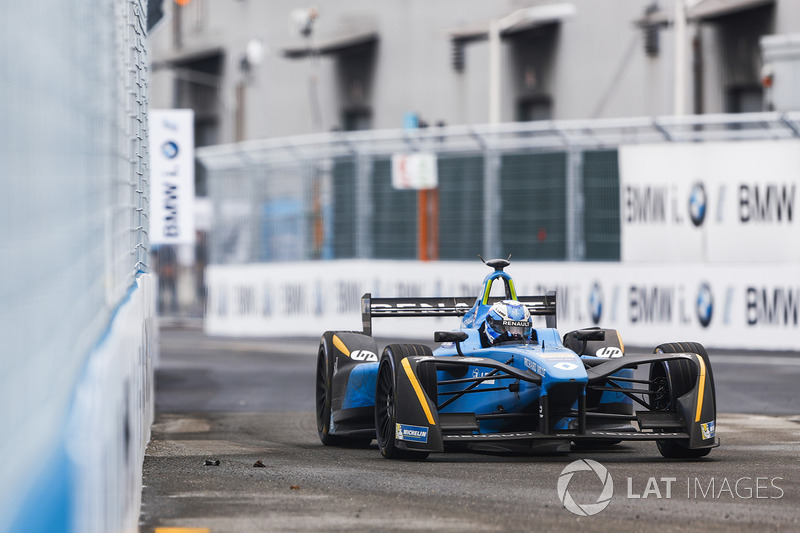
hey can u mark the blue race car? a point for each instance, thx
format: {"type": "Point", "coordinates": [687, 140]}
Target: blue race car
{"type": "Point", "coordinates": [498, 383]}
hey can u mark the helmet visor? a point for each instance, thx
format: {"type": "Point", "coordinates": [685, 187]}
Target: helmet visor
{"type": "Point", "coordinates": [515, 329]}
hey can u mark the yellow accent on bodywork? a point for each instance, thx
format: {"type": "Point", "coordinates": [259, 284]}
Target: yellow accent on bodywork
{"type": "Point", "coordinates": [420, 395]}
{"type": "Point", "coordinates": [621, 346]}
{"type": "Point", "coordinates": [487, 291]}
{"type": "Point", "coordinates": [702, 389]}
{"type": "Point", "coordinates": [340, 346]}
{"type": "Point", "coordinates": [511, 289]}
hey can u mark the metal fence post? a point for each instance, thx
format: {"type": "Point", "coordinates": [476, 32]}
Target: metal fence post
{"type": "Point", "coordinates": [492, 203]}
{"type": "Point", "coordinates": [255, 204]}
{"type": "Point", "coordinates": [324, 173]}
{"type": "Point", "coordinates": [363, 194]}
{"type": "Point", "coordinates": [247, 175]}
{"type": "Point", "coordinates": [576, 249]}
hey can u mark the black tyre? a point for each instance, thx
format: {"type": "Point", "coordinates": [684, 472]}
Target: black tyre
{"type": "Point", "coordinates": [323, 397]}
{"type": "Point", "coordinates": [386, 398]}
{"type": "Point", "coordinates": [675, 379]}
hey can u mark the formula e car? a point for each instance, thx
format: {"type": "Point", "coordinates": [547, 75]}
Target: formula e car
{"type": "Point", "coordinates": [533, 391]}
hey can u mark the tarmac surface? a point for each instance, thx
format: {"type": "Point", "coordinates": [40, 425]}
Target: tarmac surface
{"type": "Point", "coordinates": [243, 401]}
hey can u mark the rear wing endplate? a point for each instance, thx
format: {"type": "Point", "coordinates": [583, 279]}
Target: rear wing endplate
{"type": "Point", "coordinates": [448, 306]}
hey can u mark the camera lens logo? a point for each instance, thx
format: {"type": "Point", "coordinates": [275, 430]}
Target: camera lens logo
{"type": "Point", "coordinates": [170, 149]}
{"type": "Point", "coordinates": [586, 509]}
{"type": "Point", "coordinates": [596, 303]}
{"type": "Point", "coordinates": [705, 305]}
{"type": "Point", "coordinates": [697, 204]}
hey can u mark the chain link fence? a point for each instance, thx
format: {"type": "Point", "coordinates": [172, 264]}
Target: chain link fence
{"type": "Point", "coordinates": [540, 191]}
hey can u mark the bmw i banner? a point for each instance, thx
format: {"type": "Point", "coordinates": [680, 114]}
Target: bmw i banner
{"type": "Point", "coordinates": [720, 306]}
{"type": "Point", "coordinates": [172, 176]}
{"type": "Point", "coordinates": [725, 202]}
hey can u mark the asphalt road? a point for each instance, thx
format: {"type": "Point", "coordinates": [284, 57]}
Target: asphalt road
{"type": "Point", "coordinates": [241, 401]}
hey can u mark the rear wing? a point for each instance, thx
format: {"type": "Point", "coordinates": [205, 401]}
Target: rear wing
{"type": "Point", "coordinates": [447, 306]}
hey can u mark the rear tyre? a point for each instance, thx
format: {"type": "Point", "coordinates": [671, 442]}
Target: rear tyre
{"type": "Point", "coordinates": [386, 400]}
{"type": "Point", "coordinates": [676, 378]}
{"type": "Point", "coordinates": [323, 397]}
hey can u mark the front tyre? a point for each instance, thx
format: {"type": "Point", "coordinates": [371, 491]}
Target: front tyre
{"type": "Point", "coordinates": [386, 403]}
{"type": "Point", "coordinates": [675, 379]}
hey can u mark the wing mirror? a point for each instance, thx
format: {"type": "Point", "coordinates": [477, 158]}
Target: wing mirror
{"type": "Point", "coordinates": [590, 335]}
{"type": "Point", "coordinates": [451, 336]}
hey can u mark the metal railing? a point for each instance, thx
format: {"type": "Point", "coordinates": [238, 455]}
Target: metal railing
{"type": "Point", "coordinates": [538, 190]}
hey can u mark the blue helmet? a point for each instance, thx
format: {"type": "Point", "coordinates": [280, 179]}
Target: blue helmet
{"type": "Point", "coordinates": [508, 321]}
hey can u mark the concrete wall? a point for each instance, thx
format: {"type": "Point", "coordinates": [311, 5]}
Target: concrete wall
{"type": "Point", "coordinates": [600, 68]}
{"type": "Point", "coordinates": [77, 314]}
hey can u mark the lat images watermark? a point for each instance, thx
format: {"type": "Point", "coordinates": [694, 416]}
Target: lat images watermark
{"type": "Point", "coordinates": [585, 509]}
{"type": "Point", "coordinates": [663, 488]}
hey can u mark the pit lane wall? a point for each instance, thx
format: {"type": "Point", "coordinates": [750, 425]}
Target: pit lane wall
{"type": "Point", "coordinates": [752, 306]}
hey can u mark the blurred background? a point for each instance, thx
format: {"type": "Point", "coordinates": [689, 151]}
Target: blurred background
{"type": "Point", "coordinates": [240, 165]}
{"type": "Point", "coordinates": [521, 111]}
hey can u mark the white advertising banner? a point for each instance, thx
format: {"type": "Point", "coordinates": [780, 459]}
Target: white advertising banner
{"type": "Point", "coordinates": [731, 202]}
{"type": "Point", "coordinates": [172, 176]}
{"type": "Point", "coordinates": [722, 306]}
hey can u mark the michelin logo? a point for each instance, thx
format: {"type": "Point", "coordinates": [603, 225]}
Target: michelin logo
{"type": "Point", "coordinates": [411, 433]}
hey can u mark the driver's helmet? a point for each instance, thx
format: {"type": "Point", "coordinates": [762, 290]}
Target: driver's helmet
{"type": "Point", "coordinates": [508, 321]}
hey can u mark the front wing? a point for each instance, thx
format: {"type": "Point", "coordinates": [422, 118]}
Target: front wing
{"type": "Point", "coordinates": [420, 425]}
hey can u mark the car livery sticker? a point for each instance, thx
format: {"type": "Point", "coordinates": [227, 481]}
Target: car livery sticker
{"type": "Point", "coordinates": [411, 433]}
{"type": "Point", "coordinates": [608, 352]}
{"type": "Point", "coordinates": [565, 366]}
{"type": "Point", "coordinates": [363, 355]}
{"type": "Point", "coordinates": [355, 355]}
{"type": "Point", "coordinates": [478, 374]}
{"type": "Point", "coordinates": [535, 367]}
{"type": "Point", "coordinates": [708, 429]}
{"type": "Point", "coordinates": [558, 356]}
